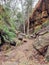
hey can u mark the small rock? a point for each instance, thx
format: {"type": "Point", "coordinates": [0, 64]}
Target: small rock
{"type": "Point", "coordinates": [24, 40]}
{"type": "Point", "coordinates": [13, 43]}
{"type": "Point", "coordinates": [20, 38]}
{"type": "Point", "coordinates": [33, 36]}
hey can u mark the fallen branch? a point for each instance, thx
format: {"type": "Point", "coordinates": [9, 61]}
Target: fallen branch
{"type": "Point", "coordinates": [42, 51]}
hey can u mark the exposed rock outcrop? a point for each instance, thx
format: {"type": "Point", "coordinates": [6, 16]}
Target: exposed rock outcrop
{"type": "Point", "coordinates": [40, 14]}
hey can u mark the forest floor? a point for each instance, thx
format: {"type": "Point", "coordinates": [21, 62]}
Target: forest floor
{"type": "Point", "coordinates": [22, 55]}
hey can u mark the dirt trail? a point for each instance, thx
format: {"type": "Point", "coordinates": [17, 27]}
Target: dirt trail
{"type": "Point", "coordinates": [21, 55]}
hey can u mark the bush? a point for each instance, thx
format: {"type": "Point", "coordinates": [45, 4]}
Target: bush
{"type": "Point", "coordinates": [6, 23]}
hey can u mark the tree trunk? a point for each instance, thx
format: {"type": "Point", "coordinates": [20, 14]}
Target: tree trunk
{"type": "Point", "coordinates": [28, 24]}
{"type": "Point", "coordinates": [23, 15]}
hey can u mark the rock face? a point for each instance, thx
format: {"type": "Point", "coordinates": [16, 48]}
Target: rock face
{"type": "Point", "coordinates": [41, 11]}
{"type": "Point", "coordinates": [40, 14]}
{"type": "Point", "coordinates": [42, 44]}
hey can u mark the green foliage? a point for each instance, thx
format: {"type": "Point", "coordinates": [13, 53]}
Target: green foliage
{"type": "Point", "coordinates": [6, 23]}
{"type": "Point", "coordinates": [19, 17]}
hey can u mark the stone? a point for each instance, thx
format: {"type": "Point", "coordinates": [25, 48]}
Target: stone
{"type": "Point", "coordinates": [13, 43]}
{"type": "Point", "coordinates": [20, 37]}
{"type": "Point", "coordinates": [24, 40]}
{"type": "Point", "coordinates": [44, 14]}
